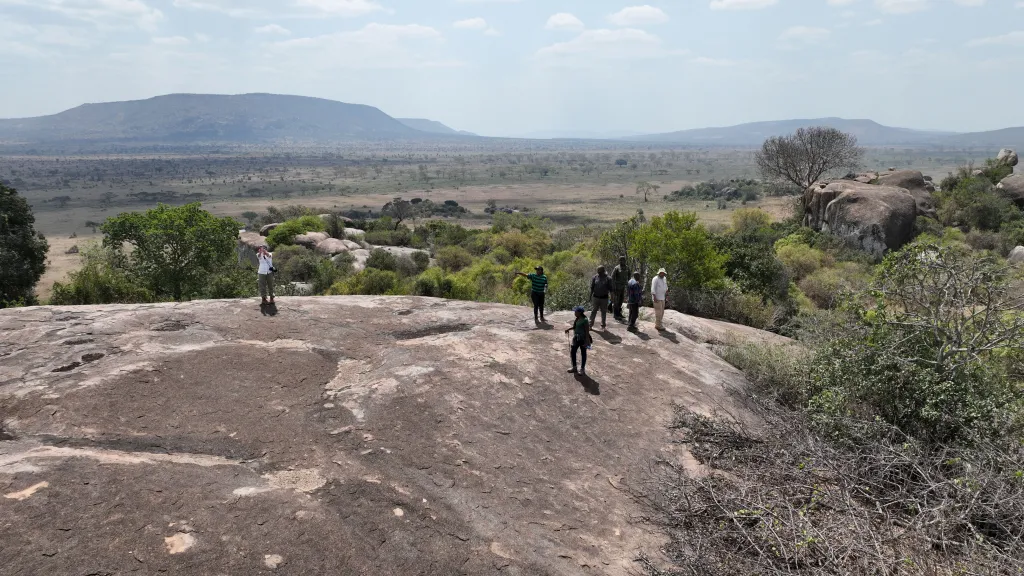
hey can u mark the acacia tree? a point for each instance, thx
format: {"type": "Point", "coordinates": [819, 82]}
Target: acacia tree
{"type": "Point", "coordinates": [22, 250]}
{"type": "Point", "coordinates": [808, 154]}
{"type": "Point", "coordinates": [646, 188]}
{"type": "Point", "coordinates": [399, 210]}
{"type": "Point", "coordinates": [176, 250]}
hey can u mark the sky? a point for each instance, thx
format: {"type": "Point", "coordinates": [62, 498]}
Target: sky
{"type": "Point", "coordinates": [532, 67]}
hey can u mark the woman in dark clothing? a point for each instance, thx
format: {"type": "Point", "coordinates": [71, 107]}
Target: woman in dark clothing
{"type": "Point", "coordinates": [580, 339]}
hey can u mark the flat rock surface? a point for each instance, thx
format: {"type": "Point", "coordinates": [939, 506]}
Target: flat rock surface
{"type": "Point", "coordinates": [336, 435]}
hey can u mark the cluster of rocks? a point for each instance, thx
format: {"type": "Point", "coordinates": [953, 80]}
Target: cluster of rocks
{"type": "Point", "coordinates": [319, 242]}
{"type": "Point", "coordinates": [877, 211]}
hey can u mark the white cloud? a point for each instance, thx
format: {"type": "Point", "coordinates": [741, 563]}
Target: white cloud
{"type": "Point", "coordinates": [706, 61]}
{"type": "Point", "coordinates": [273, 29]}
{"type": "Point", "coordinates": [638, 16]}
{"type": "Point", "coordinates": [1010, 39]}
{"type": "Point", "coordinates": [171, 40]}
{"type": "Point", "coordinates": [291, 9]}
{"type": "Point", "coordinates": [564, 21]}
{"type": "Point", "coordinates": [604, 44]}
{"type": "Point", "coordinates": [840, 2]}
{"type": "Point", "coordinates": [797, 36]}
{"type": "Point", "coordinates": [969, 2]}
{"type": "Point", "coordinates": [492, 32]}
{"type": "Point", "coordinates": [110, 13]}
{"type": "Point", "coordinates": [471, 24]}
{"type": "Point", "coordinates": [742, 4]}
{"type": "Point", "coordinates": [375, 46]}
{"type": "Point", "coordinates": [1020, 4]}
{"type": "Point", "coordinates": [901, 6]}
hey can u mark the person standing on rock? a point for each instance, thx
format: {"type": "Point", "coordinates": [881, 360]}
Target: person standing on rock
{"type": "Point", "coordinates": [538, 287]}
{"type": "Point", "coordinates": [634, 297]}
{"type": "Point", "coordinates": [580, 339]}
{"type": "Point", "coordinates": [620, 278]}
{"type": "Point", "coordinates": [265, 274]}
{"type": "Point", "coordinates": [600, 290]}
{"type": "Point", "coordinates": [659, 294]}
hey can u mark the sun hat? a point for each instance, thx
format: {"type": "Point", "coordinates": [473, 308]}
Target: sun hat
{"type": "Point", "coordinates": [661, 271]}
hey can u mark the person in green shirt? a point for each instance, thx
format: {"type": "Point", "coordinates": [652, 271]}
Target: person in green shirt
{"type": "Point", "coordinates": [580, 339]}
{"type": "Point", "coordinates": [538, 287]}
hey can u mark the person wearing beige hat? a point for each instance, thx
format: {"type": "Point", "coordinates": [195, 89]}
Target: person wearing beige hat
{"type": "Point", "coordinates": [659, 294]}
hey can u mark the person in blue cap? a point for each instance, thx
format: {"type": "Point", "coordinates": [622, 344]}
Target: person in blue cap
{"type": "Point", "coordinates": [580, 339]}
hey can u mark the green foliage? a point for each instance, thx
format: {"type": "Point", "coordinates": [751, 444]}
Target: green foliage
{"type": "Point", "coordinates": [975, 203]}
{"type": "Point", "coordinates": [329, 272]}
{"type": "Point", "coordinates": [102, 279]}
{"type": "Point", "coordinates": [175, 250]}
{"type": "Point", "coordinates": [22, 250]}
{"type": "Point", "coordinates": [568, 292]}
{"type": "Point", "coordinates": [234, 281]}
{"type": "Point", "coordinates": [828, 287]}
{"type": "Point", "coordinates": [369, 281]}
{"type": "Point", "coordinates": [285, 233]}
{"type": "Point", "coordinates": [400, 236]}
{"type": "Point", "coordinates": [503, 222]}
{"type": "Point", "coordinates": [453, 258]}
{"type": "Point", "coordinates": [532, 243]}
{"type": "Point", "coordinates": [939, 355]}
{"type": "Point", "coordinates": [750, 221]}
{"type": "Point", "coordinates": [435, 283]}
{"type": "Point", "coordinates": [382, 260]}
{"type": "Point", "coordinates": [421, 260]}
{"type": "Point", "coordinates": [753, 267]}
{"type": "Point", "coordinates": [683, 247]}
{"type": "Point", "coordinates": [295, 263]}
{"type": "Point", "coordinates": [800, 260]}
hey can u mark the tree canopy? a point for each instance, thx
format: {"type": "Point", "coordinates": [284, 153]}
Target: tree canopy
{"type": "Point", "coordinates": [22, 250]}
{"type": "Point", "coordinates": [805, 156]}
{"type": "Point", "coordinates": [175, 249]}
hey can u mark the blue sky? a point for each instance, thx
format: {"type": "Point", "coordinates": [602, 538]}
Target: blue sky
{"type": "Point", "coordinates": [512, 67]}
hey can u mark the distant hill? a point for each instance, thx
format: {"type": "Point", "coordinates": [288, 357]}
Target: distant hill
{"type": "Point", "coordinates": [186, 118]}
{"type": "Point", "coordinates": [432, 127]}
{"type": "Point", "coordinates": [1007, 137]}
{"type": "Point", "coordinates": [868, 132]}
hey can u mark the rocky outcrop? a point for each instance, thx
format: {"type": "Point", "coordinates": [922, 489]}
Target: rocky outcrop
{"type": "Point", "coordinates": [310, 239]}
{"type": "Point", "coordinates": [248, 244]}
{"type": "Point", "coordinates": [343, 435]}
{"type": "Point", "coordinates": [1016, 255]}
{"type": "Point", "coordinates": [915, 183]}
{"type": "Point", "coordinates": [360, 256]}
{"type": "Point", "coordinates": [269, 228]}
{"type": "Point", "coordinates": [875, 218]}
{"type": "Point", "coordinates": [1007, 157]}
{"type": "Point", "coordinates": [354, 232]}
{"type": "Point", "coordinates": [331, 247]}
{"type": "Point", "coordinates": [1013, 188]}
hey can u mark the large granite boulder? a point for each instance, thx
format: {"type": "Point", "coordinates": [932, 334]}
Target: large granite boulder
{"type": "Point", "coordinates": [1007, 156]}
{"type": "Point", "coordinates": [915, 183]}
{"type": "Point", "coordinates": [360, 257]}
{"type": "Point", "coordinates": [376, 436]}
{"type": "Point", "coordinates": [1013, 187]}
{"type": "Point", "coordinates": [1016, 255]}
{"type": "Point", "coordinates": [875, 218]}
{"type": "Point", "coordinates": [355, 232]}
{"type": "Point", "coordinates": [248, 244]}
{"type": "Point", "coordinates": [310, 239]}
{"type": "Point", "coordinates": [331, 247]}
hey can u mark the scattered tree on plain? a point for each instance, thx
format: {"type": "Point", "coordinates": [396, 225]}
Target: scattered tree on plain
{"type": "Point", "coordinates": [808, 154]}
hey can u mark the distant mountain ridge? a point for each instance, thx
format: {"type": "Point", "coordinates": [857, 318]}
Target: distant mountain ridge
{"type": "Point", "coordinates": [432, 126]}
{"type": "Point", "coordinates": [179, 118]}
{"type": "Point", "coordinates": [868, 133]}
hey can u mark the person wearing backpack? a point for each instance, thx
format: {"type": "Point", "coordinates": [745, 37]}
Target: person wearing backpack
{"type": "Point", "coordinates": [600, 290]}
{"type": "Point", "coordinates": [580, 340]}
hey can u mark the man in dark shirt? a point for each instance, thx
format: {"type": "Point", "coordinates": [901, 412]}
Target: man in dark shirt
{"type": "Point", "coordinates": [600, 289]}
{"type": "Point", "coordinates": [620, 278]}
{"type": "Point", "coordinates": [635, 295]}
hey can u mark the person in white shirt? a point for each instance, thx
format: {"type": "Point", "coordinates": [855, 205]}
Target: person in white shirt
{"type": "Point", "coordinates": [265, 274]}
{"type": "Point", "coordinates": [659, 293]}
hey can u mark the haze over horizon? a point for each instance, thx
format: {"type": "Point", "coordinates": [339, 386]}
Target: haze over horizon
{"type": "Point", "coordinates": [514, 67]}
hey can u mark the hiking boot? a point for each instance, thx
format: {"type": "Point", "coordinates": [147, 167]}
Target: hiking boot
{"type": "Point", "coordinates": [571, 370]}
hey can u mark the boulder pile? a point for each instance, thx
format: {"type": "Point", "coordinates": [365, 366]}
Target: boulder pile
{"type": "Point", "coordinates": [319, 242]}
{"type": "Point", "coordinates": [876, 218]}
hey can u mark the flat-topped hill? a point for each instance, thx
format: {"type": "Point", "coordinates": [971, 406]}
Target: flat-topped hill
{"type": "Point", "coordinates": [348, 435]}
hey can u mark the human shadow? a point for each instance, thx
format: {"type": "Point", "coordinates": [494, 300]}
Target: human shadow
{"type": "Point", "coordinates": [609, 337]}
{"type": "Point", "coordinates": [543, 325]}
{"type": "Point", "coordinates": [670, 336]}
{"type": "Point", "coordinates": [641, 335]}
{"type": "Point", "coordinates": [591, 386]}
{"type": "Point", "coordinates": [268, 309]}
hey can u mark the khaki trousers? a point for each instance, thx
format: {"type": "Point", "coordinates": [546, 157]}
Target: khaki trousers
{"type": "Point", "coordinates": [659, 313]}
{"type": "Point", "coordinates": [266, 285]}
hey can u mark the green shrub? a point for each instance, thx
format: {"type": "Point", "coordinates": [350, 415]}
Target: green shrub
{"type": "Point", "coordinates": [235, 281]}
{"type": "Point", "coordinates": [775, 371]}
{"type": "Point", "coordinates": [829, 287]}
{"type": "Point", "coordinates": [800, 260]}
{"type": "Point", "coordinates": [102, 279]}
{"type": "Point", "coordinates": [295, 263]}
{"type": "Point", "coordinates": [382, 260]}
{"type": "Point", "coordinates": [285, 233]}
{"type": "Point", "coordinates": [534, 243]}
{"type": "Point", "coordinates": [975, 203]}
{"type": "Point", "coordinates": [370, 281]}
{"type": "Point", "coordinates": [422, 261]}
{"type": "Point", "coordinates": [565, 292]}
{"type": "Point", "coordinates": [406, 268]}
{"type": "Point", "coordinates": [327, 273]}
{"type": "Point", "coordinates": [453, 258]}
{"type": "Point", "coordinates": [435, 283]}
{"type": "Point", "coordinates": [389, 237]}
{"type": "Point", "coordinates": [753, 267]}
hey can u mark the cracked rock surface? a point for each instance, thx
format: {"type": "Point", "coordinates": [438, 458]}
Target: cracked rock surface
{"type": "Point", "coordinates": [342, 435]}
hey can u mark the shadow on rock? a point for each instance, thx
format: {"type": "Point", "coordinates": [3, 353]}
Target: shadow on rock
{"type": "Point", "coordinates": [670, 336]}
{"type": "Point", "coordinates": [641, 335]}
{"type": "Point", "coordinates": [268, 309]}
{"type": "Point", "coordinates": [609, 337]}
{"type": "Point", "coordinates": [591, 386]}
